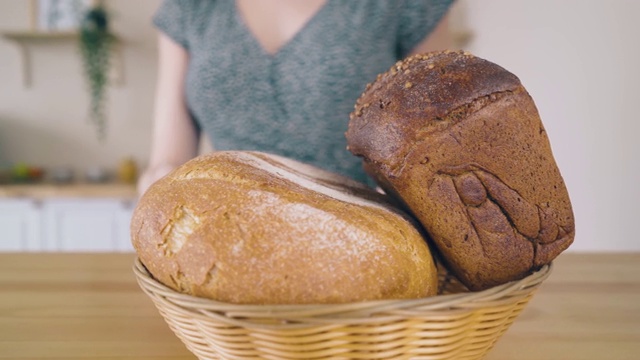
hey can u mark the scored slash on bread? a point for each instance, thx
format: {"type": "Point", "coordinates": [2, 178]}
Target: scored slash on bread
{"type": "Point", "coordinates": [254, 228]}
{"type": "Point", "coordinates": [459, 141]}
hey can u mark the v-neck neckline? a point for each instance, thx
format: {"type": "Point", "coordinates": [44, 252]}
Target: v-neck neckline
{"type": "Point", "coordinates": [240, 21]}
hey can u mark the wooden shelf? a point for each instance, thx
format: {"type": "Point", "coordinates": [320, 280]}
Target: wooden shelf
{"type": "Point", "coordinates": [24, 38]}
{"type": "Point", "coordinates": [40, 35]}
{"type": "Point", "coordinates": [40, 191]}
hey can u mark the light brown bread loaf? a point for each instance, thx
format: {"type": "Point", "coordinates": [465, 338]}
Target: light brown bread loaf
{"type": "Point", "coordinates": [459, 140]}
{"type": "Point", "coordinates": [253, 228]}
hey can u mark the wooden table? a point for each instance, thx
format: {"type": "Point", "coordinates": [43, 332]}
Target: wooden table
{"type": "Point", "coordinates": [88, 306]}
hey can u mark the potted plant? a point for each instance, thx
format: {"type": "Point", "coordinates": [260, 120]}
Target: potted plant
{"type": "Point", "coordinates": [96, 43]}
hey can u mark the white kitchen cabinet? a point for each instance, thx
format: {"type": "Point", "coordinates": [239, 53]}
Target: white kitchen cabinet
{"type": "Point", "coordinates": [82, 225]}
{"type": "Point", "coordinates": [20, 228]}
{"type": "Point", "coordinates": [65, 224]}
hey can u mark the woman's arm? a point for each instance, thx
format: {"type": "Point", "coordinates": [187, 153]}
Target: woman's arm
{"type": "Point", "coordinates": [439, 39]}
{"type": "Point", "coordinates": [175, 137]}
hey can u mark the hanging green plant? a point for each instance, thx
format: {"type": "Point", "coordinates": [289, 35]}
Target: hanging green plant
{"type": "Point", "coordinates": [96, 42]}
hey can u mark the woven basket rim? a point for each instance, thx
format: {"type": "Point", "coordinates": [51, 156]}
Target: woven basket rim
{"type": "Point", "coordinates": [497, 296]}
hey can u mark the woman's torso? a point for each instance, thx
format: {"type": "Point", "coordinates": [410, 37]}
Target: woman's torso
{"type": "Point", "coordinates": [296, 101]}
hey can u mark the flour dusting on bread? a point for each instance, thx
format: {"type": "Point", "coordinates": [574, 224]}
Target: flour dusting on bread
{"type": "Point", "coordinates": [252, 228]}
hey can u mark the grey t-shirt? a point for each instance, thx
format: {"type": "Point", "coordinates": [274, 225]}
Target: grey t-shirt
{"type": "Point", "coordinates": [296, 102]}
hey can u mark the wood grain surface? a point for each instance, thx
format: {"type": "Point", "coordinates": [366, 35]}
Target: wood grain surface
{"type": "Point", "coordinates": [88, 306]}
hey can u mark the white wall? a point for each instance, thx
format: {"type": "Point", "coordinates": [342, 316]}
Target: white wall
{"type": "Point", "coordinates": [579, 60]}
{"type": "Point", "coordinates": [46, 124]}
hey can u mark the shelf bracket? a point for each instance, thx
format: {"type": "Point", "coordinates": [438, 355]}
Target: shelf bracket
{"type": "Point", "coordinates": [25, 56]}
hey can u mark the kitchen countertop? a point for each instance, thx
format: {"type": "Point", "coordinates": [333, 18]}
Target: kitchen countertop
{"type": "Point", "coordinates": [89, 306]}
{"type": "Point", "coordinates": [41, 191]}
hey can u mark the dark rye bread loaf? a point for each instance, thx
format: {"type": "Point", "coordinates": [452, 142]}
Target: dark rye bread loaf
{"type": "Point", "coordinates": [253, 228]}
{"type": "Point", "coordinates": [459, 140]}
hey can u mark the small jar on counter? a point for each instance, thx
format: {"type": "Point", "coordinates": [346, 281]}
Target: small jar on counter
{"type": "Point", "coordinates": [128, 171]}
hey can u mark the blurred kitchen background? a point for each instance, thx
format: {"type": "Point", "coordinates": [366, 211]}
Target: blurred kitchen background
{"type": "Point", "coordinates": [74, 192]}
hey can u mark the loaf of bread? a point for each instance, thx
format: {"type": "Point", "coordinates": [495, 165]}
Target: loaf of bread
{"type": "Point", "coordinates": [460, 142]}
{"type": "Point", "coordinates": [254, 228]}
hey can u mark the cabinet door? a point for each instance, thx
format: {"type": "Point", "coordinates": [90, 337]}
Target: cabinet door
{"type": "Point", "coordinates": [123, 222]}
{"type": "Point", "coordinates": [19, 225]}
{"type": "Point", "coordinates": [83, 225]}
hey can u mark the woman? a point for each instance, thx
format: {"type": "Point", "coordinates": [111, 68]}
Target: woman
{"type": "Point", "coordinates": [278, 76]}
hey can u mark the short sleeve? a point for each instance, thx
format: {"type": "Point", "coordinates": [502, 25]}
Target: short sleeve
{"type": "Point", "coordinates": [417, 19]}
{"type": "Point", "coordinates": [171, 18]}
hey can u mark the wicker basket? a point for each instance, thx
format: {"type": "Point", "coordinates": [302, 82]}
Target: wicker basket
{"type": "Point", "coordinates": [456, 324]}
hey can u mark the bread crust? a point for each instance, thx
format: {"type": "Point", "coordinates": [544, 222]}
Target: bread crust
{"type": "Point", "coordinates": [253, 228]}
{"type": "Point", "coordinates": [460, 142]}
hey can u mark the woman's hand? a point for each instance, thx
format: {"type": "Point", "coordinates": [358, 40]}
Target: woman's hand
{"type": "Point", "coordinates": [439, 39]}
{"type": "Point", "coordinates": [175, 136]}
